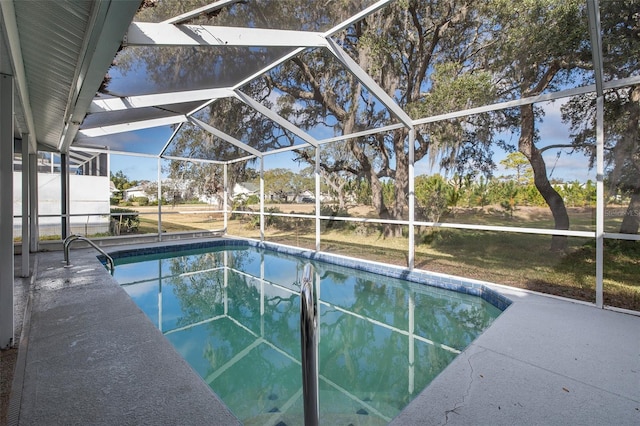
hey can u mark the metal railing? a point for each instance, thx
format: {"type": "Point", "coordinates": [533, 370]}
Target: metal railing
{"type": "Point", "coordinates": [309, 347]}
{"type": "Point", "coordinates": [75, 237]}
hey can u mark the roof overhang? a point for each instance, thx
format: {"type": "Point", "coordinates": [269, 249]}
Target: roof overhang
{"type": "Point", "coordinates": [58, 53]}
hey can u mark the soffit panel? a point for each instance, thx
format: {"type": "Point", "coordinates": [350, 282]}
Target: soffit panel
{"type": "Point", "coordinates": [51, 38]}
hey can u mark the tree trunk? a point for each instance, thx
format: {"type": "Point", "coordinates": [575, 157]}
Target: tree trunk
{"type": "Point", "coordinates": [628, 149]}
{"type": "Point", "coordinates": [377, 199]}
{"type": "Point", "coordinates": [527, 146]}
{"type": "Point", "coordinates": [401, 186]}
{"type": "Point", "coordinates": [369, 173]}
{"type": "Point", "coordinates": [631, 221]}
{"type": "Point", "coordinates": [337, 185]}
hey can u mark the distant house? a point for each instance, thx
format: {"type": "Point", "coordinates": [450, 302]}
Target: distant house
{"type": "Point", "coordinates": [214, 200]}
{"type": "Point", "coordinates": [133, 192]}
{"type": "Point", "coordinates": [280, 196]}
{"type": "Point", "coordinates": [113, 191]}
{"type": "Point", "coordinates": [175, 190]}
{"type": "Point", "coordinates": [245, 190]}
{"type": "Point", "coordinates": [306, 196]}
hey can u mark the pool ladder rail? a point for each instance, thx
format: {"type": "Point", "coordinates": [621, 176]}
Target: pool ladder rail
{"type": "Point", "coordinates": [76, 237]}
{"type": "Point", "coordinates": [309, 347]}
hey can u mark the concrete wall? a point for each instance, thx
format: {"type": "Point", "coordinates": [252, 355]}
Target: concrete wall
{"type": "Point", "coordinates": [88, 195]}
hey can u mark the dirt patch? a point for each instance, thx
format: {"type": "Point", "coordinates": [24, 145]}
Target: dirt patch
{"type": "Point", "coordinates": [8, 359]}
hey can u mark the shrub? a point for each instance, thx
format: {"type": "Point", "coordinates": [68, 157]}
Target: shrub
{"type": "Point", "coordinates": [124, 220]}
{"type": "Point", "coordinates": [333, 211]}
{"type": "Point", "coordinates": [142, 201]}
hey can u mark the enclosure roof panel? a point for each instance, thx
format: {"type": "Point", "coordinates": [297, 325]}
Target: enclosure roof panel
{"type": "Point", "coordinates": [91, 72]}
{"type": "Point", "coordinates": [295, 15]}
{"type": "Point", "coordinates": [147, 70]}
{"type": "Point", "coordinates": [171, 67]}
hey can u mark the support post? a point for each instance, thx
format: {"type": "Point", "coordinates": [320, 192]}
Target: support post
{"type": "Point", "coordinates": [262, 199]}
{"type": "Point", "coordinates": [24, 256]}
{"type": "Point", "coordinates": [159, 199]}
{"type": "Point", "coordinates": [225, 197]}
{"type": "Point", "coordinates": [33, 202]}
{"type": "Point", "coordinates": [600, 202]}
{"type": "Point", "coordinates": [6, 211]}
{"type": "Point", "coordinates": [317, 178]}
{"type": "Point", "coordinates": [593, 14]}
{"type": "Point", "coordinates": [64, 195]}
{"type": "Point", "coordinates": [411, 254]}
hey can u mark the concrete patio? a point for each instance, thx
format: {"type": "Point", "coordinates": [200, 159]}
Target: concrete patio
{"type": "Point", "coordinates": [88, 355]}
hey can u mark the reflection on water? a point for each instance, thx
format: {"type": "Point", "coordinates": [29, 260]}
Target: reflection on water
{"type": "Point", "coordinates": [234, 316]}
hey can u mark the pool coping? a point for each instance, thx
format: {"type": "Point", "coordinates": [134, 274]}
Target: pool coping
{"type": "Point", "coordinates": [544, 360]}
{"type": "Point", "coordinates": [448, 282]}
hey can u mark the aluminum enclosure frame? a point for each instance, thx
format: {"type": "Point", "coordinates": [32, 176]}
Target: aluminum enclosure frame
{"type": "Point", "coordinates": [108, 26]}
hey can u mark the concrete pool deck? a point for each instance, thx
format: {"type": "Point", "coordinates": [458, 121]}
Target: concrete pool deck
{"type": "Point", "coordinates": [88, 355]}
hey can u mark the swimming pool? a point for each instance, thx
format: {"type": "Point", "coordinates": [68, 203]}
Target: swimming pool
{"type": "Point", "coordinates": [232, 311]}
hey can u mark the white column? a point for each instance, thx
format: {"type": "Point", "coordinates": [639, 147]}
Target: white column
{"type": "Point", "coordinates": [225, 196]}
{"type": "Point", "coordinates": [317, 177]}
{"type": "Point", "coordinates": [6, 211]}
{"type": "Point", "coordinates": [593, 11]}
{"type": "Point", "coordinates": [24, 257]}
{"type": "Point", "coordinates": [33, 202]}
{"type": "Point", "coordinates": [159, 199]}
{"type": "Point", "coordinates": [64, 199]}
{"type": "Point", "coordinates": [600, 201]}
{"type": "Point", "coordinates": [412, 197]}
{"type": "Point", "coordinates": [261, 198]}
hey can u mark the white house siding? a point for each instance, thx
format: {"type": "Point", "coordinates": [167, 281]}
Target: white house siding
{"type": "Point", "coordinates": [88, 195]}
{"type": "Point", "coordinates": [136, 191]}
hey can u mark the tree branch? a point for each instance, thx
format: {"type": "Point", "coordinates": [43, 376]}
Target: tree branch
{"type": "Point", "coordinates": [581, 145]}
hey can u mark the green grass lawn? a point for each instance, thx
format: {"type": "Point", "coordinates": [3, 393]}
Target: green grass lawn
{"type": "Point", "coordinates": [515, 259]}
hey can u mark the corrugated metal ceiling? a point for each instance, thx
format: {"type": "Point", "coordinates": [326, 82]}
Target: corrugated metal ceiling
{"type": "Point", "coordinates": [56, 43]}
{"type": "Point", "coordinates": [51, 36]}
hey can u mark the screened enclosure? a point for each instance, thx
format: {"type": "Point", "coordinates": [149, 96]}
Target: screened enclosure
{"type": "Point", "coordinates": [493, 140]}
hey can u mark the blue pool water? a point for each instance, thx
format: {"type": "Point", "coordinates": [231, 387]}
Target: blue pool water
{"type": "Point", "coordinates": [233, 314]}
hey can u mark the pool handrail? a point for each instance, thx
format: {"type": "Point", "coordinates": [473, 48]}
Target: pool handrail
{"type": "Point", "coordinates": [75, 237]}
{"type": "Point", "coordinates": [309, 347]}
